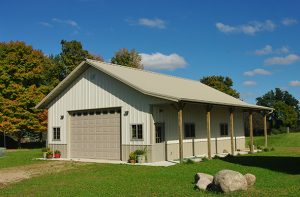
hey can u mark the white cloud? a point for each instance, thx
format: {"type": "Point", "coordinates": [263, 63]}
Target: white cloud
{"type": "Point", "coordinates": [250, 28]}
{"type": "Point", "coordinates": [289, 59]}
{"type": "Point", "coordinates": [153, 23]}
{"type": "Point", "coordinates": [294, 83]}
{"type": "Point", "coordinates": [249, 83]}
{"type": "Point", "coordinates": [289, 21]}
{"type": "Point", "coordinates": [68, 22]}
{"type": "Point", "coordinates": [159, 61]}
{"type": "Point", "coordinates": [264, 51]}
{"type": "Point", "coordinates": [268, 49]}
{"type": "Point", "coordinates": [257, 71]}
{"type": "Point", "coordinates": [45, 24]}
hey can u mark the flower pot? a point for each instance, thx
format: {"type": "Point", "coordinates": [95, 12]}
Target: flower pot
{"type": "Point", "coordinates": [49, 156]}
{"type": "Point", "coordinates": [44, 155]}
{"type": "Point", "coordinates": [57, 155]}
{"type": "Point", "coordinates": [140, 158]}
{"type": "Point", "coordinates": [132, 161]}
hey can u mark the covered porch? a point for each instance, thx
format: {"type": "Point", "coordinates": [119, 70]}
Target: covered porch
{"type": "Point", "coordinates": [187, 129]}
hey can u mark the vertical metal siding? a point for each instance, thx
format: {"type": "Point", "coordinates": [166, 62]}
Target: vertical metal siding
{"type": "Point", "coordinates": [102, 91]}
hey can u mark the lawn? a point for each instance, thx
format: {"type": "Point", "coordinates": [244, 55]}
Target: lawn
{"type": "Point", "coordinates": [277, 172]}
{"type": "Point", "coordinates": [20, 157]}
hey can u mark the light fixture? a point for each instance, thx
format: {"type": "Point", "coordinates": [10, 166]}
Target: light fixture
{"type": "Point", "coordinates": [62, 117]}
{"type": "Point", "coordinates": [126, 113]}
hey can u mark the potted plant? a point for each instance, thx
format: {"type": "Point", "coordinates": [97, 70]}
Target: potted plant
{"type": "Point", "coordinates": [44, 151]}
{"type": "Point", "coordinates": [57, 154]}
{"type": "Point", "coordinates": [140, 155]}
{"type": "Point", "coordinates": [49, 154]}
{"type": "Point", "coordinates": [132, 157]}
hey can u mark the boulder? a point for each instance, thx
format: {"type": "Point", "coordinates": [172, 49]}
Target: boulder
{"type": "Point", "coordinates": [200, 175]}
{"type": "Point", "coordinates": [229, 181]}
{"type": "Point", "coordinates": [250, 178]}
{"type": "Point", "coordinates": [202, 180]}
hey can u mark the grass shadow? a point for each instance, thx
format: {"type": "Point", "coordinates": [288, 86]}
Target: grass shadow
{"type": "Point", "coordinates": [288, 165]}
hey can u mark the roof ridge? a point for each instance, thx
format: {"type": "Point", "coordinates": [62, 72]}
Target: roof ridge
{"type": "Point", "coordinates": [148, 71]}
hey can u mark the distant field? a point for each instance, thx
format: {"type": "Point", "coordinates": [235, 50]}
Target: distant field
{"type": "Point", "coordinates": [277, 172]}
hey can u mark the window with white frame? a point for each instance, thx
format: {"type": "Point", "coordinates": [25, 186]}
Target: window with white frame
{"type": "Point", "coordinates": [56, 133]}
{"type": "Point", "coordinates": [137, 132]}
{"type": "Point", "coordinates": [189, 130]}
{"type": "Point", "coordinates": [224, 129]}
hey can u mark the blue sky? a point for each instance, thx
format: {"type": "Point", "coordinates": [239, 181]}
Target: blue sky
{"type": "Point", "coordinates": [256, 43]}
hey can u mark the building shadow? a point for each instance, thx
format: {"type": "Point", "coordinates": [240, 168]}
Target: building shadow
{"type": "Point", "coordinates": [288, 165]}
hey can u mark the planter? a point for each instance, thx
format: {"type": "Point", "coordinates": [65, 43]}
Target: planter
{"type": "Point", "coordinates": [57, 155]}
{"type": "Point", "coordinates": [49, 156]}
{"type": "Point", "coordinates": [2, 151]}
{"type": "Point", "coordinates": [132, 161]}
{"type": "Point", "coordinates": [44, 155]}
{"type": "Point", "coordinates": [140, 158]}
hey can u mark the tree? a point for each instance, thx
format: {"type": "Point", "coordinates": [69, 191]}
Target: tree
{"type": "Point", "coordinates": [128, 58]}
{"type": "Point", "coordinates": [286, 114]}
{"type": "Point", "coordinates": [223, 84]}
{"type": "Point", "coordinates": [22, 85]}
{"type": "Point", "coordinates": [72, 54]}
{"type": "Point", "coordinates": [283, 102]}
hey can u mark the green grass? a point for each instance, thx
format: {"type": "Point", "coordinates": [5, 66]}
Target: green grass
{"type": "Point", "coordinates": [280, 140]}
{"type": "Point", "coordinates": [277, 172]}
{"type": "Point", "coordinates": [20, 157]}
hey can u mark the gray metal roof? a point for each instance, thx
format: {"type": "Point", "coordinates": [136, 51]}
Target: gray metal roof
{"type": "Point", "coordinates": [155, 84]}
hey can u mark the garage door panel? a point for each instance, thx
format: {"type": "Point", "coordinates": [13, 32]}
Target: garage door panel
{"type": "Point", "coordinates": [95, 136]}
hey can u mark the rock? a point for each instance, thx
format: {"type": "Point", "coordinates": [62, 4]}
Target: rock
{"type": "Point", "coordinates": [250, 178]}
{"type": "Point", "coordinates": [229, 181]}
{"type": "Point", "coordinates": [202, 180]}
{"type": "Point", "coordinates": [203, 183]}
{"type": "Point", "coordinates": [200, 175]}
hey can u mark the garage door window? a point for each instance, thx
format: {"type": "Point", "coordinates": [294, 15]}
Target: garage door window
{"type": "Point", "coordinates": [56, 133]}
{"type": "Point", "coordinates": [137, 132]}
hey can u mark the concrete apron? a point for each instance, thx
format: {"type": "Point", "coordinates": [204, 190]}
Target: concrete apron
{"type": "Point", "coordinates": [160, 163]}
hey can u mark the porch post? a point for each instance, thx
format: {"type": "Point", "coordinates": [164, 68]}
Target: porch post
{"type": "Point", "coordinates": [180, 131]}
{"type": "Point", "coordinates": [231, 131]}
{"type": "Point", "coordinates": [209, 107]}
{"type": "Point", "coordinates": [265, 130]}
{"type": "Point", "coordinates": [251, 131]}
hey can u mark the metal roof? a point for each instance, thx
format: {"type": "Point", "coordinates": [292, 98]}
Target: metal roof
{"type": "Point", "coordinates": [154, 84]}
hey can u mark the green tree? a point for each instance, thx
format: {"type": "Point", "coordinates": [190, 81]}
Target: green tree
{"type": "Point", "coordinates": [128, 58]}
{"type": "Point", "coordinates": [72, 54]}
{"type": "Point", "coordinates": [286, 114]}
{"type": "Point", "coordinates": [223, 84]}
{"type": "Point", "coordinates": [22, 85]}
{"type": "Point", "coordinates": [276, 99]}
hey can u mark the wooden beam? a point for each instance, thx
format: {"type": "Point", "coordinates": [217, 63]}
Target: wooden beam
{"type": "Point", "coordinates": [180, 131]}
{"type": "Point", "coordinates": [251, 131]}
{"type": "Point", "coordinates": [231, 132]}
{"type": "Point", "coordinates": [209, 107]}
{"type": "Point", "coordinates": [265, 130]}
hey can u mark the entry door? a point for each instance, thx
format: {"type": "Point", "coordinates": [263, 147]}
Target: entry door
{"type": "Point", "coordinates": [159, 133]}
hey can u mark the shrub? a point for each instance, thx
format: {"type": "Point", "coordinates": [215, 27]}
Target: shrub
{"type": "Point", "coordinates": [189, 161]}
{"type": "Point", "coordinates": [140, 152]}
{"type": "Point", "coordinates": [132, 156]}
{"type": "Point", "coordinates": [272, 149]}
{"type": "Point", "coordinates": [266, 149]}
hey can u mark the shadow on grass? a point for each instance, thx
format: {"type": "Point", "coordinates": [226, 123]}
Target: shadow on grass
{"type": "Point", "coordinates": [288, 165]}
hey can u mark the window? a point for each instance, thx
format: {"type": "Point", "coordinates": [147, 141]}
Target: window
{"type": "Point", "coordinates": [137, 132]}
{"type": "Point", "coordinates": [189, 130]}
{"type": "Point", "coordinates": [159, 132]}
{"type": "Point", "coordinates": [56, 133]}
{"type": "Point", "coordinates": [224, 129]}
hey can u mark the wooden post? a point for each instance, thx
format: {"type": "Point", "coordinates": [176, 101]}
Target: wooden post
{"type": "Point", "coordinates": [231, 131]}
{"type": "Point", "coordinates": [251, 131]}
{"type": "Point", "coordinates": [180, 131]}
{"type": "Point", "coordinates": [265, 130]}
{"type": "Point", "coordinates": [209, 107]}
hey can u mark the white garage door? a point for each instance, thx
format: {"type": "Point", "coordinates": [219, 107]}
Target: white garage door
{"type": "Point", "coordinates": [95, 134]}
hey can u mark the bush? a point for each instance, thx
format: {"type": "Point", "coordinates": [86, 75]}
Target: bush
{"type": "Point", "coordinates": [189, 161]}
{"type": "Point", "coordinates": [140, 152]}
{"type": "Point", "coordinates": [272, 149]}
{"type": "Point", "coordinates": [266, 149]}
{"type": "Point", "coordinates": [132, 156]}
{"type": "Point", "coordinates": [57, 152]}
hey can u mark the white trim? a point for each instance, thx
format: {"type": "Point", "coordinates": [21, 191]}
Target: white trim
{"type": "Point", "coordinates": [203, 140]}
